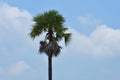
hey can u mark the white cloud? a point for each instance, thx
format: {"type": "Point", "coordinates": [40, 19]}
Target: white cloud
{"type": "Point", "coordinates": [18, 68]}
{"type": "Point", "coordinates": [15, 43]}
{"type": "Point", "coordinates": [15, 25]}
{"type": "Point", "coordinates": [107, 37]}
{"type": "Point", "coordinates": [103, 41]}
{"type": "Point", "coordinates": [88, 20]}
{"type": "Point", "coordinates": [14, 19]}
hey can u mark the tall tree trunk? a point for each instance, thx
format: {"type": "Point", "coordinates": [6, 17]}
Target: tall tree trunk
{"type": "Point", "coordinates": [49, 67]}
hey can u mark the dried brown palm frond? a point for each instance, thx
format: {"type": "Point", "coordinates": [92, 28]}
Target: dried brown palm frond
{"type": "Point", "coordinates": [43, 44]}
{"type": "Point", "coordinates": [51, 48]}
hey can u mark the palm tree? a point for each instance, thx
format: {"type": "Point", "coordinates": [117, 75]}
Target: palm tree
{"type": "Point", "coordinates": [50, 22]}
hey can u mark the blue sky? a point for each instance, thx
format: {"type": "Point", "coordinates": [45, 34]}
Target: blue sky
{"type": "Point", "coordinates": [93, 54]}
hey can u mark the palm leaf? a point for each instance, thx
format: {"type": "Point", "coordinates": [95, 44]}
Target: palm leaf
{"type": "Point", "coordinates": [51, 48]}
{"type": "Point", "coordinates": [67, 38]}
{"type": "Point", "coordinates": [50, 22]}
{"type": "Point", "coordinates": [36, 31]}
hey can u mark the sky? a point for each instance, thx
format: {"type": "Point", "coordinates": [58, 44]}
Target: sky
{"type": "Point", "coordinates": [93, 53]}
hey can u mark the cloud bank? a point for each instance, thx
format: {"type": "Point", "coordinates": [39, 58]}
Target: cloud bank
{"type": "Point", "coordinates": [103, 41]}
{"type": "Point", "coordinates": [15, 25]}
{"type": "Point", "coordinates": [15, 44]}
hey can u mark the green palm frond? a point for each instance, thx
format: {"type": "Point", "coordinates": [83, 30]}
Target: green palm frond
{"type": "Point", "coordinates": [42, 47]}
{"type": "Point", "coordinates": [52, 23]}
{"type": "Point", "coordinates": [35, 31]}
{"type": "Point", "coordinates": [49, 19]}
{"type": "Point", "coordinates": [60, 33]}
{"type": "Point", "coordinates": [67, 38]}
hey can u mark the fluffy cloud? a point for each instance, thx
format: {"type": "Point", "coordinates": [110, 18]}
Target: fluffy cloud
{"type": "Point", "coordinates": [15, 25]}
{"type": "Point", "coordinates": [88, 20]}
{"type": "Point", "coordinates": [14, 19]}
{"type": "Point", "coordinates": [107, 37]}
{"type": "Point", "coordinates": [15, 43]}
{"type": "Point", "coordinates": [18, 68]}
{"type": "Point", "coordinates": [103, 41]}
{"type": "Point", "coordinates": [16, 46]}
{"type": "Point", "coordinates": [17, 71]}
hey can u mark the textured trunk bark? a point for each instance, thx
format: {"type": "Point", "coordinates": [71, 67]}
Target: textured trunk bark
{"type": "Point", "coordinates": [49, 67]}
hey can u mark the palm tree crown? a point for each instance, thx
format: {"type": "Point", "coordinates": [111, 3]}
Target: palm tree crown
{"type": "Point", "coordinates": [50, 22]}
